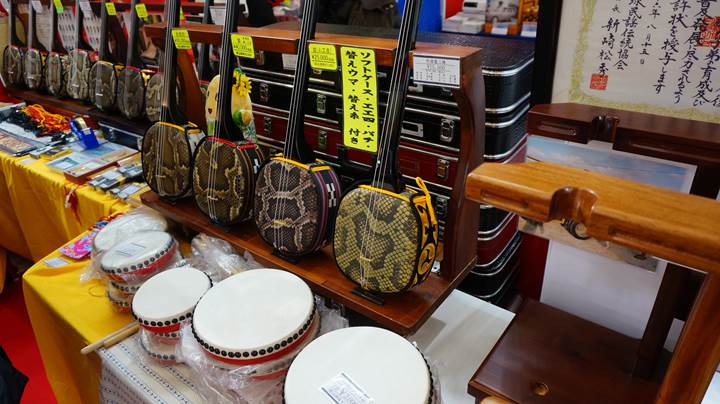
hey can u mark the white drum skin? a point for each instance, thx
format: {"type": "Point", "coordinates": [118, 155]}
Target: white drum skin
{"type": "Point", "coordinates": [167, 299]}
{"type": "Point", "coordinates": [383, 365]}
{"type": "Point", "coordinates": [138, 258]}
{"type": "Point", "coordinates": [254, 315]}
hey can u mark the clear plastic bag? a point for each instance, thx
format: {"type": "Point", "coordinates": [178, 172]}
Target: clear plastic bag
{"type": "Point", "coordinates": [118, 230]}
{"type": "Point", "coordinates": [217, 258]}
{"type": "Point", "coordinates": [249, 384]}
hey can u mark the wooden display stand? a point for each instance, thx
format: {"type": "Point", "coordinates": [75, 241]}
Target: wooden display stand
{"type": "Point", "coordinates": [403, 313]}
{"type": "Point", "coordinates": [547, 355]}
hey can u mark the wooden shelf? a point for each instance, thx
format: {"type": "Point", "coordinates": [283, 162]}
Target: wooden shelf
{"type": "Point", "coordinates": [270, 39]}
{"type": "Point", "coordinates": [402, 313]}
{"type": "Point", "coordinates": [71, 106]}
{"type": "Point", "coordinates": [578, 361]}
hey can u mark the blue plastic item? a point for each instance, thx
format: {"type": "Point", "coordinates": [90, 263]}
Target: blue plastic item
{"type": "Point", "coordinates": [86, 135]}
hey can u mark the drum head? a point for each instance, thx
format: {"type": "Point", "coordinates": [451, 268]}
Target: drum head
{"type": "Point", "coordinates": [254, 314]}
{"type": "Point", "coordinates": [125, 226]}
{"type": "Point", "coordinates": [140, 251]}
{"type": "Point", "coordinates": [371, 362]}
{"type": "Point", "coordinates": [166, 297]}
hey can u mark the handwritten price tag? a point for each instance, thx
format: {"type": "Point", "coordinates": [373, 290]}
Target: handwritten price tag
{"type": "Point", "coordinates": [182, 14]}
{"type": "Point", "coordinates": [141, 11]}
{"type": "Point", "coordinates": [37, 6]}
{"type": "Point", "coordinates": [58, 6]}
{"type": "Point", "coordinates": [360, 98]}
{"type": "Point", "coordinates": [322, 56]}
{"type": "Point", "coordinates": [243, 46]}
{"type": "Point", "coordinates": [85, 7]}
{"type": "Point", "coordinates": [110, 7]}
{"type": "Point", "coordinates": [181, 37]}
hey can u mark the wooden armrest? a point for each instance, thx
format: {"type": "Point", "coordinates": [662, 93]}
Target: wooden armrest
{"type": "Point", "coordinates": [681, 228]}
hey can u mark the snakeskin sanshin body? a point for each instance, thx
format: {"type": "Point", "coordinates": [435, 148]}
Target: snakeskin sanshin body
{"type": "Point", "coordinates": [390, 249]}
{"type": "Point", "coordinates": [104, 78]}
{"type": "Point", "coordinates": [56, 74]}
{"type": "Point", "coordinates": [167, 158]}
{"type": "Point", "coordinates": [13, 66]}
{"type": "Point", "coordinates": [33, 69]}
{"type": "Point", "coordinates": [295, 205]}
{"type": "Point", "coordinates": [224, 179]}
{"type": "Point", "coordinates": [131, 93]}
{"type": "Point", "coordinates": [78, 84]}
{"type": "Point", "coordinates": [153, 97]}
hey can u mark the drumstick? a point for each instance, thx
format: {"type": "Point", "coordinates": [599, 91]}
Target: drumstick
{"type": "Point", "coordinates": [101, 342]}
{"type": "Point", "coordinates": [121, 336]}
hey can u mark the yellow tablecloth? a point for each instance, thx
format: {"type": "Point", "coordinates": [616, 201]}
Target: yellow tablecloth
{"type": "Point", "coordinates": [34, 219]}
{"type": "Point", "coordinates": [65, 317]}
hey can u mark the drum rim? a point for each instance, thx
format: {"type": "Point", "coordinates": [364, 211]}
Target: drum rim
{"type": "Point", "coordinates": [431, 383]}
{"type": "Point", "coordinates": [134, 268]}
{"type": "Point", "coordinates": [266, 350]}
{"type": "Point", "coordinates": [171, 322]}
{"type": "Point", "coordinates": [117, 221]}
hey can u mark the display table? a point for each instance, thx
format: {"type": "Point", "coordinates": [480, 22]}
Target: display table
{"type": "Point", "coordinates": [458, 336]}
{"type": "Point", "coordinates": [65, 317]}
{"type": "Point", "coordinates": [33, 215]}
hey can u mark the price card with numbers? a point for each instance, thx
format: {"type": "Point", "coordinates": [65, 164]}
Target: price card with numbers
{"type": "Point", "coordinates": [360, 98]}
{"type": "Point", "coordinates": [110, 6]}
{"type": "Point", "coordinates": [181, 37]}
{"type": "Point", "coordinates": [438, 71]}
{"type": "Point", "coordinates": [141, 10]}
{"type": "Point", "coordinates": [85, 7]}
{"type": "Point", "coordinates": [243, 46]}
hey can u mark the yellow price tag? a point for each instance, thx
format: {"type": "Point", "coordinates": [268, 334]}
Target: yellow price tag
{"type": "Point", "coordinates": [58, 6]}
{"type": "Point", "coordinates": [110, 7]}
{"type": "Point", "coordinates": [141, 10]}
{"type": "Point", "coordinates": [181, 37]}
{"type": "Point", "coordinates": [360, 98]}
{"type": "Point", "coordinates": [322, 56]}
{"type": "Point", "coordinates": [182, 14]}
{"type": "Point", "coordinates": [243, 46]}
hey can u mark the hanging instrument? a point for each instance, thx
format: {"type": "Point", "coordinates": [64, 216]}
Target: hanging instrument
{"type": "Point", "coordinates": [169, 145]}
{"type": "Point", "coordinates": [132, 81]}
{"type": "Point", "coordinates": [57, 62]}
{"type": "Point", "coordinates": [385, 236]}
{"type": "Point", "coordinates": [226, 163]}
{"type": "Point", "coordinates": [103, 73]}
{"type": "Point", "coordinates": [13, 54]}
{"type": "Point", "coordinates": [78, 85]}
{"type": "Point", "coordinates": [34, 55]}
{"type": "Point", "coordinates": [297, 196]}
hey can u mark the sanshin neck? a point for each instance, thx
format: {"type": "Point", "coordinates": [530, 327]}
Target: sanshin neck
{"type": "Point", "coordinates": [296, 147]}
{"type": "Point", "coordinates": [387, 168]}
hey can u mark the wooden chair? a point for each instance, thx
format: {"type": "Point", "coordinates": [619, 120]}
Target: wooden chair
{"type": "Point", "coordinates": [547, 355]}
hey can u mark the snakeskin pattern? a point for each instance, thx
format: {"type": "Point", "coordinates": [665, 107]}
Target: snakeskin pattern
{"type": "Point", "coordinates": [389, 250]}
{"type": "Point", "coordinates": [287, 207]}
{"type": "Point", "coordinates": [78, 85]}
{"type": "Point", "coordinates": [153, 97]}
{"type": "Point", "coordinates": [131, 93]}
{"type": "Point", "coordinates": [104, 78]}
{"type": "Point", "coordinates": [56, 74]}
{"type": "Point", "coordinates": [167, 158]}
{"type": "Point", "coordinates": [13, 66]}
{"type": "Point", "coordinates": [33, 69]}
{"type": "Point", "coordinates": [225, 194]}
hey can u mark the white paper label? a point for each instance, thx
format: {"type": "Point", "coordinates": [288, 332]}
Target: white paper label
{"type": "Point", "coordinates": [27, 161]}
{"type": "Point", "coordinates": [529, 30]}
{"type": "Point", "coordinates": [85, 7]}
{"type": "Point", "coordinates": [217, 14]}
{"type": "Point", "coordinates": [111, 175]}
{"type": "Point", "coordinates": [131, 249]}
{"type": "Point", "coordinates": [289, 61]}
{"type": "Point", "coordinates": [500, 28]}
{"type": "Point", "coordinates": [342, 390]}
{"type": "Point", "coordinates": [55, 262]}
{"type": "Point", "coordinates": [37, 5]}
{"type": "Point", "coordinates": [436, 70]}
